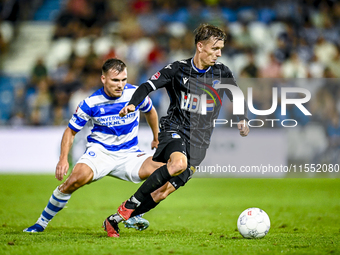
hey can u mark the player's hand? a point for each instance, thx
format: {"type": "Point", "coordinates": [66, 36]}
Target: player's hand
{"type": "Point", "coordinates": [61, 169]}
{"type": "Point", "coordinates": [127, 109]}
{"type": "Point", "coordinates": [243, 127]}
{"type": "Point", "coordinates": [154, 144]}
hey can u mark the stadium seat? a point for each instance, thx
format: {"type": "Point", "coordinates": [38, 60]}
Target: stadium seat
{"type": "Point", "coordinates": [6, 30]}
{"type": "Point", "coordinates": [60, 51]}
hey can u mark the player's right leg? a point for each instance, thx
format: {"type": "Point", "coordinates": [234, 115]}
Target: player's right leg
{"type": "Point", "coordinates": [81, 175]}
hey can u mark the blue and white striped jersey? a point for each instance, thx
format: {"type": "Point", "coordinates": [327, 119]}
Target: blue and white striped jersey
{"type": "Point", "coordinates": [113, 132]}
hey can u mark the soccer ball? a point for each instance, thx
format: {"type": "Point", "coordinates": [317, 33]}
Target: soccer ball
{"type": "Point", "coordinates": [253, 223]}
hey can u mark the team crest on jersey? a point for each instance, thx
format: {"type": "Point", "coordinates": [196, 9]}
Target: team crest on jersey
{"type": "Point", "coordinates": [168, 67]}
{"type": "Point", "coordinates": [156, 76]}
{"type": "Point", "coordinates": [92, 154]}
{"type": "Point", "coordinates": [175, 135]}
{"type": "Point", "coordinates": [215, 82]}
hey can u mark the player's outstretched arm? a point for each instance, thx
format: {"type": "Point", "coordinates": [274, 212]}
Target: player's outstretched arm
{"type": "Point", "coordinates": [152, 119]}
{"type": "Point", "coordinates": [243, 127]}
{"type": "Point", "coordinates": [66, 144]}
{"type": "Point", "coordinates": [127, 109]}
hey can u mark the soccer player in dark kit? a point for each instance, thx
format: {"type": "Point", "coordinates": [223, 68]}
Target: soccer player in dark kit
{"type": "Point", "coordinates": [195, 87]}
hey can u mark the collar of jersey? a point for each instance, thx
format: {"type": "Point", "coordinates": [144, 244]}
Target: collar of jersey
{"type": "Point", "coordinates": [197, 69]}
{"type": "Point", "coordinates": [111, 98]}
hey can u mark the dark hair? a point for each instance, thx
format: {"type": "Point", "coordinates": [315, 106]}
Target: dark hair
{"type": "Point", "coordinates": [205, 32]}
{"type": "Point", "coordinates": [113, 63]}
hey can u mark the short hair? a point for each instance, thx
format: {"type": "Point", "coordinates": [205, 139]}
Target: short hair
{"type": "Point", "coordinates": [205, 32]}
{"type": "Point", "coordinates": [113, 63]}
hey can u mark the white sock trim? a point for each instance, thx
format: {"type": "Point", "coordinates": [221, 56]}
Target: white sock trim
{"type": "Point", "coordinates": [60, 195]}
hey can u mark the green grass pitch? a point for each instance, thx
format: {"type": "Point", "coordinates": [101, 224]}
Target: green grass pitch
{"type": "Point", "coordinates": [199, 218]}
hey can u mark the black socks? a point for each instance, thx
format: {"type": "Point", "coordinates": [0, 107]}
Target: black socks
{"type": "Point", "coordinates": [156, 180]}
{"type": "Point", "coordinates": [145, 206]}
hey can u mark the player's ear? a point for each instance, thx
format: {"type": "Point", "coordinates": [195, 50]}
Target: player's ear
{"type": "Point", "coordinates": [103, 78]}
{"type": "Point", "coordinates": [199, 47]}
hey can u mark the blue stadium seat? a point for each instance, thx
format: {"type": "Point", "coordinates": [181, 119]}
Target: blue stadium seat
{"type": "Point", "coordinates": [48, 11]}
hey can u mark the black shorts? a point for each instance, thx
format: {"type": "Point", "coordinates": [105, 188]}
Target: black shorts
{"type": "Point", "coordinates": [170, 142]}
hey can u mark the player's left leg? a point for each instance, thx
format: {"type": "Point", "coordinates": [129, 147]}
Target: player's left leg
{"type": "Point", "coordinates": [196, 156]}
{"type": "Point", "coordinates": [153, 199]}
{"type": "Point", "coordinates": [81, 175]}
{"type": "Point", "coordinates": [133, 166]}
{"type": "Point", "coordinates": [137, 221]}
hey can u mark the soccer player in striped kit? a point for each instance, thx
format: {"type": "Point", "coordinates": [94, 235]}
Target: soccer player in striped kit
{"type": "Point", "coordinates": [112, 147]}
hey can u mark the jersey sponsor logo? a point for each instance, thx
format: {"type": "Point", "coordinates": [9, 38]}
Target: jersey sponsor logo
{"type": "Point", "coordinates": [116, 120]}
{"type": "Point", "coordinates": [185, 80]}
{"type": "Point", "coordinates": [102, 111]}
{"type": "Point", "coordinates": [175, 135]}
{"type": "Point", "coordinates": [168, 67]}
{"type": "Point", "coordinates": [139, 155]}
{"type": "Point", "coordinates": [156, 76]}
{"type": "Point", "coordinates": [194, 103]}
{"type": "Point", "coordinates": [200, 103]}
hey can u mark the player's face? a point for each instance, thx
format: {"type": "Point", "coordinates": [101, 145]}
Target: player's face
{"type": "Point", "coordinates": [211, 51]}
{"type": "Point", "coordinates": [114, 82]}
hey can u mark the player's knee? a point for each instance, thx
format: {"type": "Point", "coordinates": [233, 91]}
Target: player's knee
{"type": "Point", "coordinates": [71, 185]}
{"type": "Point", "coordinates": [177, 167]}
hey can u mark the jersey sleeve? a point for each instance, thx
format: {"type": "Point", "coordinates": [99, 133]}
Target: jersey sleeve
{"type": "Point", "coordinates": [159, 80]}
{"type": "Point", "coordinates": [163, 77]}
{"type": "Point", "coordinates": [146, 105]}
{"type": "Point", "coordinates": [80, 117]}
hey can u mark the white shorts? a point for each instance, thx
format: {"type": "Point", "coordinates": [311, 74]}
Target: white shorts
{"type": "Point", "coordinates": [123, 165]}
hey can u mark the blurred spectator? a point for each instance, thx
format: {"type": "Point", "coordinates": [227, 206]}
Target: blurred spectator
{"type": "Point", "coordinates": [20, 110]}
{"type": "Point", "coordinates": [250, 70]}
{"type": "Point", "coordinates": [212, 14]}
{"type": "Point", "coordinates": [148, 19]}
{"type": "Point", "coordinates": [194, 17]}
{"type": "Point", "coordinates": [243, 39]}
{"type": "Point", "coordinates": [40, 104]}
{"type": "Point", "coordinates": [91, 83]}
{"type": "Point", "coordinates": [39, 71]}
{"type": "Point", "coordinates": [334, 63]}
{"type": "Point", "coordinates": [315, 68]}
{"type": "Point", "coordinates": [325, 51]}
{"type": "Point", "coordinates": [332, 129]}
{"type": "Point", "coordinates": [304, 50]}
{"type": "Point", "coordinates": [322, 104]}
{"type": "Point", "coordinates": [272, 69]}
{"type": "Point", "coordinates": [294, 67]}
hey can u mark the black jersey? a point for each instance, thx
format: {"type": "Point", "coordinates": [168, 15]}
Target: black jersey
{"type": "Point", "coordinates": [195, 98]}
